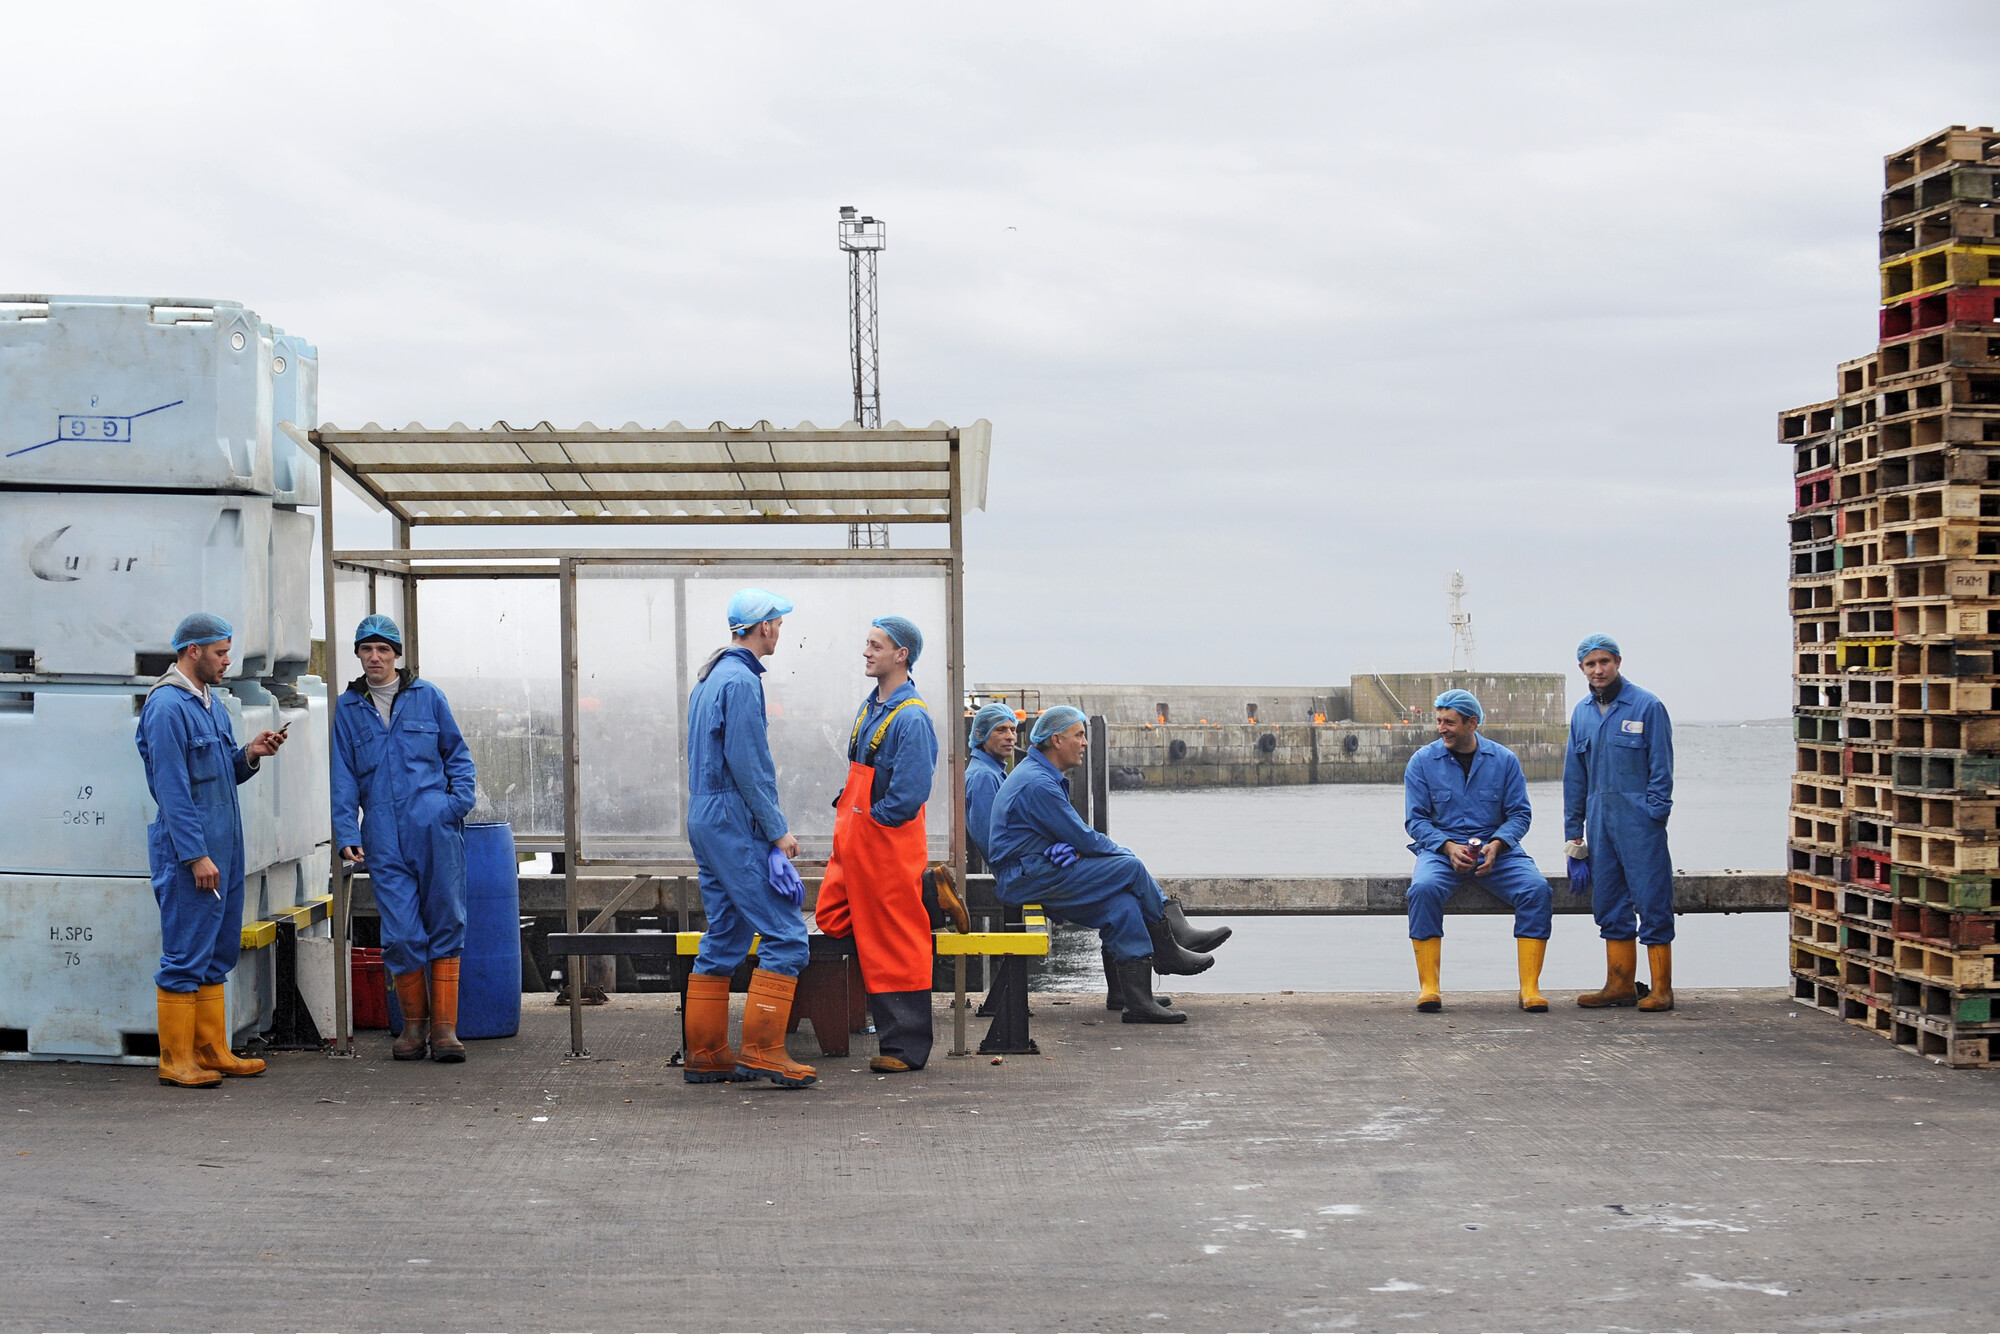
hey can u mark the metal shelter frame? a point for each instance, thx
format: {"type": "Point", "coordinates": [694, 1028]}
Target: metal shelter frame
{"type": "Point", "coordinates": [543, 476]}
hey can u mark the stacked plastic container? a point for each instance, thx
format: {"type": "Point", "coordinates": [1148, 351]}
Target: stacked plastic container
{"type": "Point", "coordinates": [143, 476]}
{"type": "Point", "coordinates": [1895, 597]}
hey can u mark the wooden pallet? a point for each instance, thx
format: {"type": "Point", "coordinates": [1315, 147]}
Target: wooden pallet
{"type": "Point", "coordinates": [1946, 851]}
{"type": "Point", "coordinates": [1917, 885]}
{"type": "Point", "coordinates": [1946, 771]}
{"type": "Point", "coordinates": [1933, 731]}
{"type": "Point", "coordinates": [1958, 1045]}
{"type": "Point", "coordinates": [1945, 968]}
{"type": "Point", "coordinates": [1943, 811]}
{"type": "Point", "coordinates": [1963, 932]}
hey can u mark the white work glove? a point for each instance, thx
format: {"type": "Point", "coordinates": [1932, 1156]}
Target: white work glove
{"type": "Point", "coordinates": [1577, 849]}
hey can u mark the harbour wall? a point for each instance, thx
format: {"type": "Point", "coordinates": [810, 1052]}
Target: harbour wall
{"type": "Point", "coordinates": [1153, 756]}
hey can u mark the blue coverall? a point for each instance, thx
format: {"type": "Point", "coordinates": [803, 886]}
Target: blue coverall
{"type": "Point", "coordinates": [1106, 887]}
{"type": "Point", "coordinates": [410, 782]}
{"type": "Point", "coordinates": [733, 819]}
{"type": "Point", "coordinates": [193, 767]}
{"type": "Point", "coordinates": [906, 761]}
{"type": "Point", "coordinates": [1443, 803]}
{"type": "Point", "coordinates": [983, 777]}
{"type": "Point", "coordinates": [1618, 789]}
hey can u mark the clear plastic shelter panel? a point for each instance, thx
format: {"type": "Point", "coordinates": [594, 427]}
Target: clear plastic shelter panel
{"type": "Point", "coordinates": [494, 647]}
{"type": "Point", "coordinates": [643, 633]}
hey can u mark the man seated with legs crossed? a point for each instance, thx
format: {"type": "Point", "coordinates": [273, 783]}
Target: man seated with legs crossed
{"type": "Point", "coordinates": [1465, 805]}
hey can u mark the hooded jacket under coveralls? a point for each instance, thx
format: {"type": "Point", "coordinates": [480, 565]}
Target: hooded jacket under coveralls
{"type": "Point", "coordinates": [193, 767]}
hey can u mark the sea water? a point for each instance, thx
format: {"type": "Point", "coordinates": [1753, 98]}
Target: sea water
{"type": "Point", "coordinates": [1731, 783]}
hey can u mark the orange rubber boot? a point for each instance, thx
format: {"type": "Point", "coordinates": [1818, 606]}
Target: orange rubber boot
{"type": "Point", "coordinates": [177, 1064]}
{"type": "Point", "coordinates": [765, 1016]}
{"type": "Point", "coordinates": [1660, 963]}
{"type": "Point", "coordinates": [211, 1036]}
{"type": "Point", "coordinates": [705, 1032]}
{"type": "Point", "coordinates": [415, 999]}
{"type": "Point", "coordinates": [445, 1046]}
{"type": "Point", "coordinates": [1621, 962]}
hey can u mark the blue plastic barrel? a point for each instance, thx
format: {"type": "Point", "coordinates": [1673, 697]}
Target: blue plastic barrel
{"type": "Point", "coordinates": [489, 972]}
{"type": "Point", "coordinates": [489, 979]}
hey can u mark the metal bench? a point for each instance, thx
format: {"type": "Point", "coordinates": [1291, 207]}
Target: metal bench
{"type": "Point", "coordinates": [830, 993]}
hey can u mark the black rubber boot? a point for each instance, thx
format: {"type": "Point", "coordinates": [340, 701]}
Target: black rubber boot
{"type": "Point", "coordinates": [1191, 937]}
{"type": "Point", "coordinates": [902, 1030]}
{"type": "Point", "coordinates": [1114, 990]}
{"type": "Point", "coordinates": [1169, 959]}
{"type": "Point", "coordinates": [1135, 977]}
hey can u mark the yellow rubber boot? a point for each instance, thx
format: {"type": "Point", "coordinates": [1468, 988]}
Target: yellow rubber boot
{"type": "Point", "coordinates": [1430, 952]}
{"type": "Point", "coordinates": [1660, 963]}
{"type": "Point", "coordinates": [1529, 953]}
{"type": "Point", "coordinates": [766, 1013]}
{"type": "Point", "coordinates": [177, 1063]}
{"type": "Point", "coordinates": [1621, 962]}
{"type": "Point", "coordinates": [211, 1036]}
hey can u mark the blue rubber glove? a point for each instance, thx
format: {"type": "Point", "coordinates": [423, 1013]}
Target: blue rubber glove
{"type": "Point", "coordinates": [785, 879]}
{"type": "Point", "coordinates": [1579, 876]}
{"type": "Point", "coordinates": [1062, 854]}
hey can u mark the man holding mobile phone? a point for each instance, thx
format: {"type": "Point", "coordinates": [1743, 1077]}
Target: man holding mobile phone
{"type": "Point", "coordinates": [195, 847]}
{"type": "Point", "coordinates": [402, 787]}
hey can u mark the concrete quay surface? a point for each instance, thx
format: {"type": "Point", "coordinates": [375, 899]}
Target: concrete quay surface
{"type": "Point", "coordinates": [1288, 1162]}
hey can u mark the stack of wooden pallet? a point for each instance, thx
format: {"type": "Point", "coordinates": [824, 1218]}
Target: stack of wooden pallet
{"type": "Point", "coordinates": [1895, 601]}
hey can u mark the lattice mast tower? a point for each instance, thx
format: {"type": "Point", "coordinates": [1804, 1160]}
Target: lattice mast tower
{"type": "Point", "coordinates": [863, 238]}
{"type": "Point", "coordinates": [1461, 622]}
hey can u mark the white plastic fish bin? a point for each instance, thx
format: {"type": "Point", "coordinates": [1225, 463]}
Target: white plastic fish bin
{"type": "Point", "coordinates": [293, 884]}
{"type": "Point", "coordinates": [71, 780]}
{"type": "Point", "coordinates": [77, 958]}
{"type": "Point", "coordinates": [132, 392]}
{"type": "Point", "coordinates": [302, 810]}
{"type": "Point", "coordinates": [91, 583]}
{"type": "Point", "coordinates": [257, 798]}
{"type": "Point", "coordinates": [294, 399]}
{"type": "Point", "coordinates": [291, 598]}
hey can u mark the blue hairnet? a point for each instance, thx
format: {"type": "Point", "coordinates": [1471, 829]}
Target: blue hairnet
{"type": "Point", "coordinates": [903, 634]}
{"type": "Point", "coordinates": [201, 628]}
{"type": "Point", "coordinates": [753, 606]}
{"type": "Point", "coordinates": [986, 720]}
{"type": "Point", "coordinates": [1593, 642]}
{"type": "Point", "coordinates": [1463, 700]}
{"type": "Point", "coordinates": [378, 626]}
{"type": "Point", "coordinates": [1054, 720]}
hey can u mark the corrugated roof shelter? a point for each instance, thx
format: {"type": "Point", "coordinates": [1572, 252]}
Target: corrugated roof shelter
{"type": "Point", "coordinates": [506, 476]}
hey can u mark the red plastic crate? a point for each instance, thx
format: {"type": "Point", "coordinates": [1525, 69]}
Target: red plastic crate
{"type": "Point", "coordinates": [370, 989]}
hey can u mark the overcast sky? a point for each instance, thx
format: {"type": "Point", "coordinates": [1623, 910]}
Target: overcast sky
{"type": "Point", "coordinates": [1280, 313]}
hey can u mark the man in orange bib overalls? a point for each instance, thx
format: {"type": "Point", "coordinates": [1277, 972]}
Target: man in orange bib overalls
{"type": "Point", "coordinates": [874, 885]}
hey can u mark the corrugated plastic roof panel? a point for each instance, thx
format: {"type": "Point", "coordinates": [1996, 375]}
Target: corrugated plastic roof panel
{"type": "Point", "coordinates": [632, 474]}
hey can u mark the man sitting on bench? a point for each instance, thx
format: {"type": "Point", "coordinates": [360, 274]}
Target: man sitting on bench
{"type": "Point", "coordinates": [1043, 853]}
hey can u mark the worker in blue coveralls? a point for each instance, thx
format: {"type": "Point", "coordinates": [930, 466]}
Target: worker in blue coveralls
{"type": "Point", "coordinates": [994, 729]}
{"type": "Point", "coordinates": [737, 831]}
{"type": "Point", "coordinates": [1043, 853]}
{"type": "Point", "coordinates": [1618, 789]}
{"type": "Point", "coordinates": [195, 851]}
{"type": "Point", "coordinates": [1465, 807]}
{"type": "Point", "coordinates": [402, 787]}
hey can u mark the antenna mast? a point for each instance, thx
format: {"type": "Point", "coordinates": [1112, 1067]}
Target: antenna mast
{"type": "Point", "coordinates": [863, 238]}
{"type": "Point", "coordinates": [1461, 622]}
